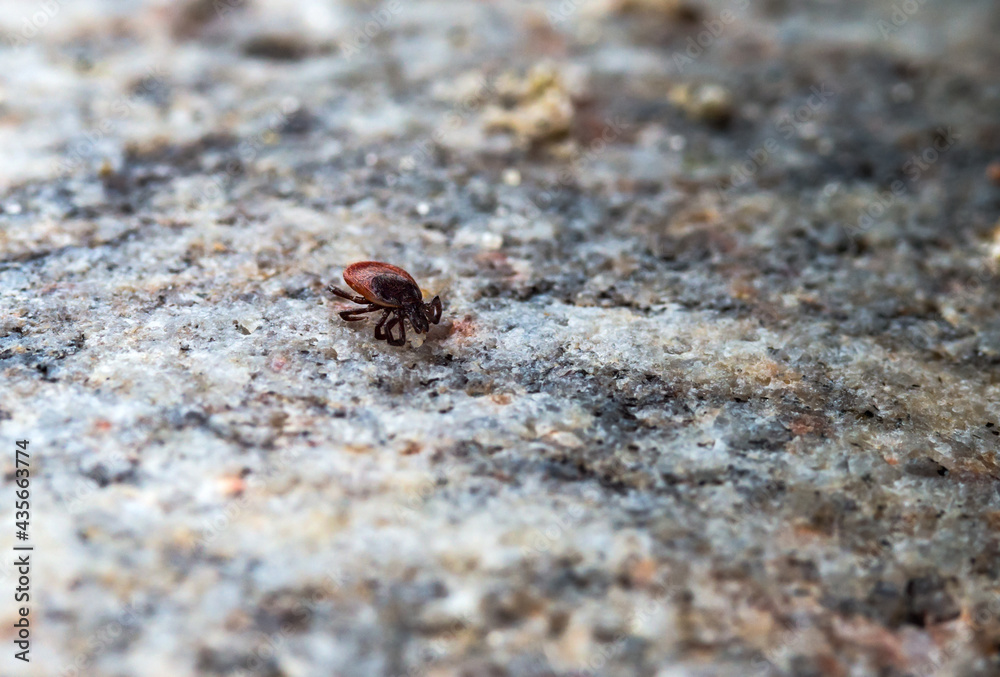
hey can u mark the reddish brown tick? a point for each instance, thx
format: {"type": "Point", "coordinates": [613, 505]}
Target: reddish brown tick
{"type": "Point", "coordinates": [392, 290]}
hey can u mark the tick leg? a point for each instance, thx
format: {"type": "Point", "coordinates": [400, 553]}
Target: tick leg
{"type": "Point", "coordinates": [397, 318]}
{"type": "Point", "coordinates": [419, 321]}
{"type": "Point", "coordinates": [380, 334]}
{"type": "Point", "coordinates": [354, 315]}
{"type": "Point", "coordinates": [433, 310]}
{"type": "Point", "coordinates": [402, 332]}
{"type": "Point", "coordinates": [344, 295]}
{"type": "Point", "coordinates": [386, 334]}
{"type": "Point", "coordinates": [414, 317]}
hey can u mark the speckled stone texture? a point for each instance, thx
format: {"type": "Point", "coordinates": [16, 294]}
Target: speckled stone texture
{"type": "Point", "coordinates": [716, 391]}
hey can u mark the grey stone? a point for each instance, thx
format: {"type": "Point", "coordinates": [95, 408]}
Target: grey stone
{"type": "Point", "coordinates": [715, 391]}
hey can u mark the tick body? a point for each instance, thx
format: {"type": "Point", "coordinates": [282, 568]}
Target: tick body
{"type": "Point", "coordinates": [389, 288]}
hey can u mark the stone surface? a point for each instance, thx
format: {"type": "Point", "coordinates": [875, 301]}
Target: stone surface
{"type": "Point", "coordinates": [717, 389]}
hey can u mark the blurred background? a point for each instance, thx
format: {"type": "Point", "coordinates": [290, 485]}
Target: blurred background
{"type": "Point", "coordinates": [717, 388]}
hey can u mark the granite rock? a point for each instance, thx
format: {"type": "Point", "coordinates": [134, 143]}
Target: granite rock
{"type": "Point", "coordinates": [716, 390]}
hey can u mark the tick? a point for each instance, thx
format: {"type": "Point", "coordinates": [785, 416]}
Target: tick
{"type": "Point", "coordinates": [392, 290]}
